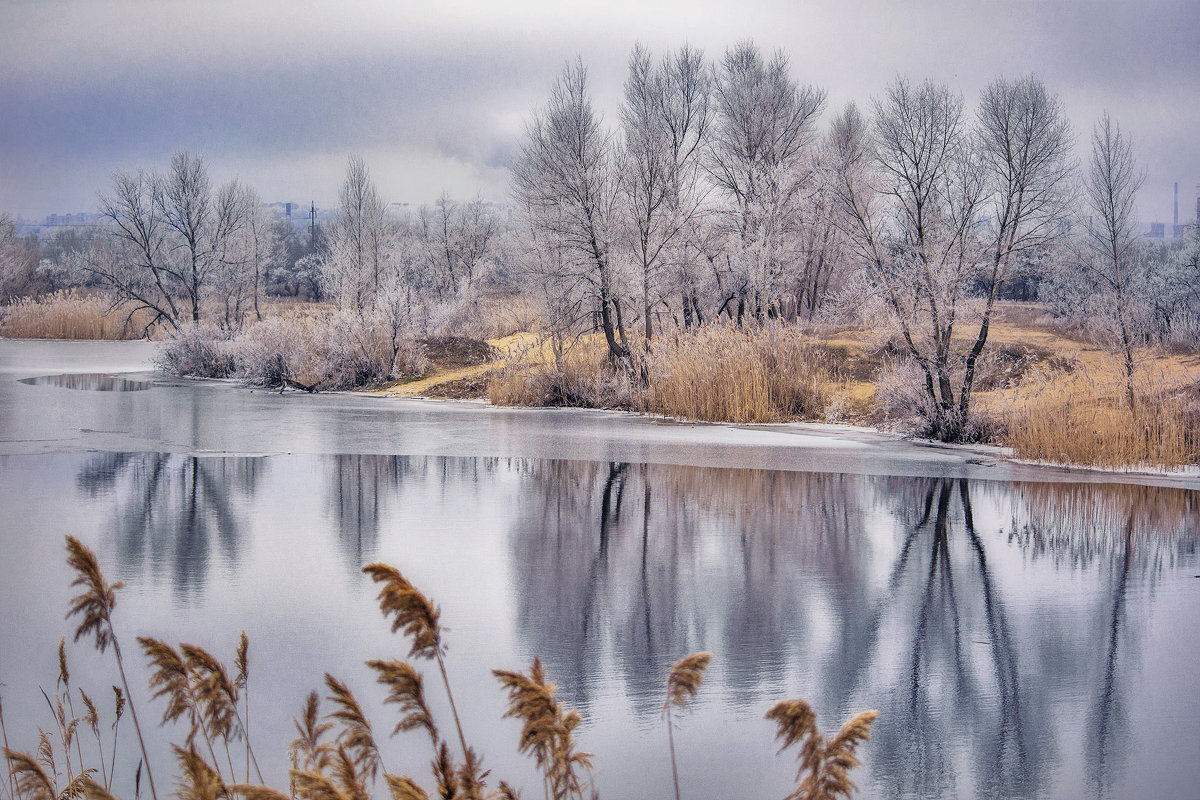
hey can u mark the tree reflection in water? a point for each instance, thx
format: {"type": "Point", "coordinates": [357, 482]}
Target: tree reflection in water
{"type": "Point", "coordinates": [866, 591]}
{"type": "Point", "coordinates": [995, 626]}
{"type": "Point", "coordinates": [172, 510]}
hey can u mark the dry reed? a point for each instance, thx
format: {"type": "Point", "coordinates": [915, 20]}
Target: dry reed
{"type": "Point", "coordinates": [682, 685]}
{"type": "Point", "coordinates": [407, 691]}
{"type": "Point", "coordinates": [546, 730]}
{"type": "Point", "coordinates": [71, 314]}
{"type": "Point", "coordinates": [825, 767]}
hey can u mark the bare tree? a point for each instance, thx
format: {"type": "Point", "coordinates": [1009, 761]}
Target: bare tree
{"type": "Point", "coordinates": [1111, 184]}
{"type": "Point", "coordinates": [913, 193]}
{"type": "Point", "coordinates": [665, 119]}
{"type": "Point", "coordinates": [566, 183]}
{"type": "Point", "coordinates": [1025, 142]}
{"type": "Point", "coordinates": [763, 133]}
{"type": "Point", "coordinates": [357, 246]}
{"type": "Point", "coordinates": [260, 242]}
{"type": "Point", "coordinates": [170, 234]}
{"type": "Point", "coordinates": [936, 207]}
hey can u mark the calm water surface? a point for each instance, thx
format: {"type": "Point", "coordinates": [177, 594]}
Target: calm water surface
{"type": "Point", "coordinates": [1019, 638]}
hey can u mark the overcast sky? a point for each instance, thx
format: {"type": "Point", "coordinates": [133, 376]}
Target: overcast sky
{"type": "Point", "coordinates": [433, 95]}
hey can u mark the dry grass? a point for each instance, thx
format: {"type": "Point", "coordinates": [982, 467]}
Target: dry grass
{"type": "Point", "coordinates": [722, 374]}
{"type": "Point", "coordinates": [534, 374]}
{"type": "Point", "coordinates": [1087, 422]}
{"type": "Point", "coordinates": [71, 314]}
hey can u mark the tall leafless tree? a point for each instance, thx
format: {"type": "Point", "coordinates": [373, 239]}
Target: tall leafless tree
{"type": "Point", "coordinates": [171, 233]}
{"type": "Point", "coordinates": [1111, 185]}
{"type": "Point", "coordinates": [357, 246]}
{"type": "Point", "coordinates": [936, 207]}
{"type": "Point", "coordinates": [665, 120]}
{"type": "Point", "coordinates": [913, 189]}
{"type": "Point", "coordinates": [763, 133]}
{"type": "Point", "coordinates": [1025, 141]}
{"type": "Point", "coordinates": [566, 182]}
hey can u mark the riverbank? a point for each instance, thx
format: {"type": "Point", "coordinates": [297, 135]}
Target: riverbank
{"type": "Point", "coordinates": [1043, 393]}
{"type": "Point", "coordinates": [201, 417]}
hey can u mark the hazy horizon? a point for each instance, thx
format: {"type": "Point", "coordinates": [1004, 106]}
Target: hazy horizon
{"type": "Point", "coordinates": [278, 94]}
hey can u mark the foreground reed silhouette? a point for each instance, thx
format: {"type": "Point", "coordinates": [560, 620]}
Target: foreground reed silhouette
{"type": "Point", "coordinates": [335, 756]}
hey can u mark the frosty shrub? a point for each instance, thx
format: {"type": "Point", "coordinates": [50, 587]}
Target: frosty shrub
{"type": "Point", "coordinates": [343, 351]}
{"type": "Point", "coordinates": [201, 351]}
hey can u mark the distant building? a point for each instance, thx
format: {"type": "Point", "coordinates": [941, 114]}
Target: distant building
{"type": "Point", "coordinates": [1158, 230]}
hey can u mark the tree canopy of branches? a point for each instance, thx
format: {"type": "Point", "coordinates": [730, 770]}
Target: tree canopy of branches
{"type": "Point", "coordinates": [759, 160]}
{"type": "Point", "coordinates": [665, 120]}
{"type": "Point", "coordinates": [936, 205]}
{"type": "Point", "coordinates": [174, 244]}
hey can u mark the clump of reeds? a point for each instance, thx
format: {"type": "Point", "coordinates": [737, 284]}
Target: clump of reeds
{"type": "Point", "coordinates": [825, 766]}
{"type": "Point", "coordinates": [335, 756]}
{"type": "Point", "coordinates": [719, 373]}
{"type": "Point", "coordinates": [71, 314]}
{"type": "Point", "coordinates": [1088, 422]}
{"type": "Point", "coordinates": [682, 685]}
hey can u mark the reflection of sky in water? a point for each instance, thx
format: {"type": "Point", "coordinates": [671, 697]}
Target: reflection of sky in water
{"type": "Point", "coordinates": [1018, 639]}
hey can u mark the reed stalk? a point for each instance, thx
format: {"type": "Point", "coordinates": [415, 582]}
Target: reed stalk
{"type": "Point", "coordinates": [95, 605]}
{"type": "Point", "coordinates": [682, 684]}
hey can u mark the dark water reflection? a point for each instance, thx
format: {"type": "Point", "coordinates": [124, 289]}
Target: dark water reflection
{"type": "Point", "coordinates": [1019, 640]}
{"type": "Point", "coordinates": [90, 382]}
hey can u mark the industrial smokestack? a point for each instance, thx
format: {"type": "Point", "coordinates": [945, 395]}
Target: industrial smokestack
{"type": "Point", "coordinates": [1176, 221]}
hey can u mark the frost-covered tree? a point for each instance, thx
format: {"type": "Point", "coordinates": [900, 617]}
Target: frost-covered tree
{"type": "Point", "coordinates": [169, 236]}
{"type": "Point", "coordinates": [357, 247]}
{"type": "Point", "coordinates": [1109, 257]}
{"type": "Point", "coordinates": [566, 183]}
{"type": "Point", "coordinates": [760, 161]}
{"type": "Point", "coordinates": [665, 120]}
{"type": "Point", "coordinates": [936, 206]}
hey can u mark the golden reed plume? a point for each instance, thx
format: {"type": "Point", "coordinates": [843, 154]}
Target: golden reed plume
{"type": "Point", "coordinates": [547, 729]}
{"type": "Point", "coordinates": [825, 768]}
{"type": "Point", "coordinates": [406, 690]}
{"type": "Point", "coordinates": [415, 614]}
{"type": "Point", "coordinates": [197, 780]}
{"type": "Point", "coordinates": [402, 788]}
{"type": "Point", "coordinates": [682, 685]}
{"type": "Point", "coordinates": [356, 739]}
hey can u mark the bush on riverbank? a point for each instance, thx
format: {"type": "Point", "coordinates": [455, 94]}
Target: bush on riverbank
{"type": "Point", "coordinates": [320, 352]}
